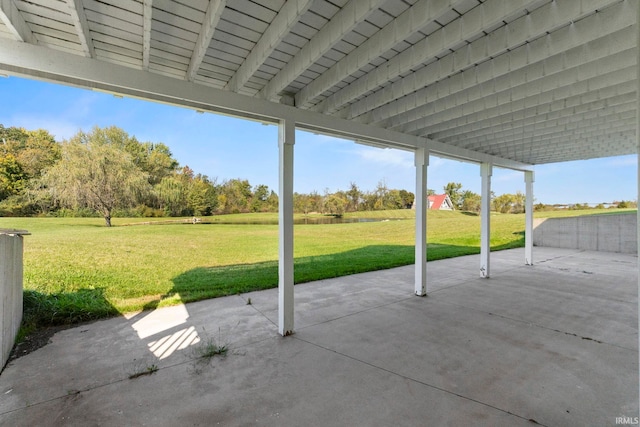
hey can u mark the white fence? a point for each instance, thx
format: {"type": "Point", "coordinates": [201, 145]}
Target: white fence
{"type": "Point", "coordinates": [10, 289]}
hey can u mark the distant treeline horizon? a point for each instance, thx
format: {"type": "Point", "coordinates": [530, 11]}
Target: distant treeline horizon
{"type": "Point", "coordinates": [106, 172]}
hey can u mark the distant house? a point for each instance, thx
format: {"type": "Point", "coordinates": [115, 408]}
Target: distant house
{"type": "Point", "coordinates": [440, 202]}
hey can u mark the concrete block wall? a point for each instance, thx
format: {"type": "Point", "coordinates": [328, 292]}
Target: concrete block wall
{"type": "Point", "coordinates": [606, 233]}
{"type": "Point", "coordinates": [11, 273]}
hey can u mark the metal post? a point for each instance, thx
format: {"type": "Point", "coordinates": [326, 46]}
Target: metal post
{"type": "Point", "coordinates": [421, 205]}
{"type": "Point", "coordinates": [485, 220]}
{"type": "Point", "coordinates": [286, 140]}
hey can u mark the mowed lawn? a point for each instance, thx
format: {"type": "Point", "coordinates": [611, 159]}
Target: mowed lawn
{"type": "Point", "coordinates": [78, 269]}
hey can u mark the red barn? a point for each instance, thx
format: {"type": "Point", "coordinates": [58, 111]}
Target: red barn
{"type": "Point", "coordinates": [440, 202]}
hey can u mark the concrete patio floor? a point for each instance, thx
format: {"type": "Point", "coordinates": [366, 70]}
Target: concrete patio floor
{"type": "Point", "coordinates": [555, 344]}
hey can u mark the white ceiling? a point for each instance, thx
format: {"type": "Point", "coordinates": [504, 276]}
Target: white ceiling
{"type": "Point", "coordinates": [530, 81]}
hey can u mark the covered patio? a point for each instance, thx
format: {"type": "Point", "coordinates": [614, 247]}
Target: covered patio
{"type": "Point", "coordinates": [499, 83]}
{"type": "Point", "coordinates": [553, 344]}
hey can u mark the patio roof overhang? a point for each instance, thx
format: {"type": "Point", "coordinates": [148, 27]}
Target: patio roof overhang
{"type": "Point", "coordinates": [510, 83]}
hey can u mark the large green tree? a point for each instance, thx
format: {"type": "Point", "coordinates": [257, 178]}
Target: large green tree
{"type": "Point", "coordinates": [509, 203]}
{"type": "Point", "coordinates": [34, 150]}
{"type": "Point", "coordinates": [470, 201]}
{"type": "Point", "coordinates": [454, 190]}
{"type": "Point", "coordinates": [153, 158]}
{"type": "Point", "coordinates": [202, 197]}
{"type": "Point", "coordinates": [98, 173]}
{"type": "Point", "coordinates": [407, 198]}
{"type": "Point", "coordinates": [503, 203]}
{"type": "Point", "coordinates": [184, 193]}
{"type": "Point", "coordinates": [259, 199]}
{"type": "Point", "coordinates": [354, 195]}
{"type": "Point", "coordinates": [24, 155]}
{"type": "Point", "coordinates": [335, 203]}
{"type": "Point", "coordinates": [235, 196]}
{"type": "Point", "coordinates": [12, 176]}
{"type": "Point", "coordinates": [171, 194]}
{"type": "Point", "coordinates": [302, 203]}
{"type": "Point", "coordinates": [13, 134]}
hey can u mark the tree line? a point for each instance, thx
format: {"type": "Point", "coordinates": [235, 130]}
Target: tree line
{"type": "Point", "coordinates": [469, 201]}
{"type": "Point", "coordinates": [508, 203]}
{"type": "Point", "coordinates": [354, 199]}
{"type": "Point", "coordinates": [110, 173]}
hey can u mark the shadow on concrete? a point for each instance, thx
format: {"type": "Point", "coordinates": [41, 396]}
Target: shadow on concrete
{"type": "Point", "coordinates": [165, 332]}
{"type": "Point", "coordinates": [212, 282]}
{"type": "Point", "coordinates": [46, 314]}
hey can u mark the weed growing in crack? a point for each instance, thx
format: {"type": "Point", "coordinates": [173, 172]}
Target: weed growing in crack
{"type": "Point", "coordinates": [211, 349]}
{"type": "Point", "coordinates": [208, 348]}
{"type": "Point", "coordinates": [147, 371]}
{"type": "Point", "coordinates": [141, 368]}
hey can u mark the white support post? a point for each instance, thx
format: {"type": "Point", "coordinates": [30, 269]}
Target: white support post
{"type": "Point", "coordinates": [528, 228]}
{"type": "Point", "coordinates": [485, 219]}
{"type": "Point", "coordinates": [286, 140]}
{"type": "Point", "coordinates": [421, 205]}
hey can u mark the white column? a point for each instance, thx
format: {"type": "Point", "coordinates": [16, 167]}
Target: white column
{"type": "Point", "coordinates": [421, 205]}
{"type": "Point", "coordinates": [286, 139]}
{"type": "Point", "coordinates": [485, 219]}
{"type": "Point", "coordinates": [528, 227]}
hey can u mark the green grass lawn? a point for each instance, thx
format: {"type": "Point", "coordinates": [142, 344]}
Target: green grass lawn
{"type": "Point", "coordinates": [76, 269]}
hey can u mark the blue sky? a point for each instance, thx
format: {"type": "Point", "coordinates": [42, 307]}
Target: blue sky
{"type": "Point", "coordinates": [224, 148]}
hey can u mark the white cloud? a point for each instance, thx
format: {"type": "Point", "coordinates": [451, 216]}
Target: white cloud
{"type": "Point", "coordinates": [436, 162]}
{"type": "Point", "coordinates": [60, 128]}
{"type": "Point", "coordinates": [84, 105]}
{"type": "Point", "coordinates": [64, 123]}
{"type": "Point", "coordinates": [327, 139]}
{"type": "Point", "coordinates": [510, 176]}
{"type": "Point", "coordinates": [385, 157]}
